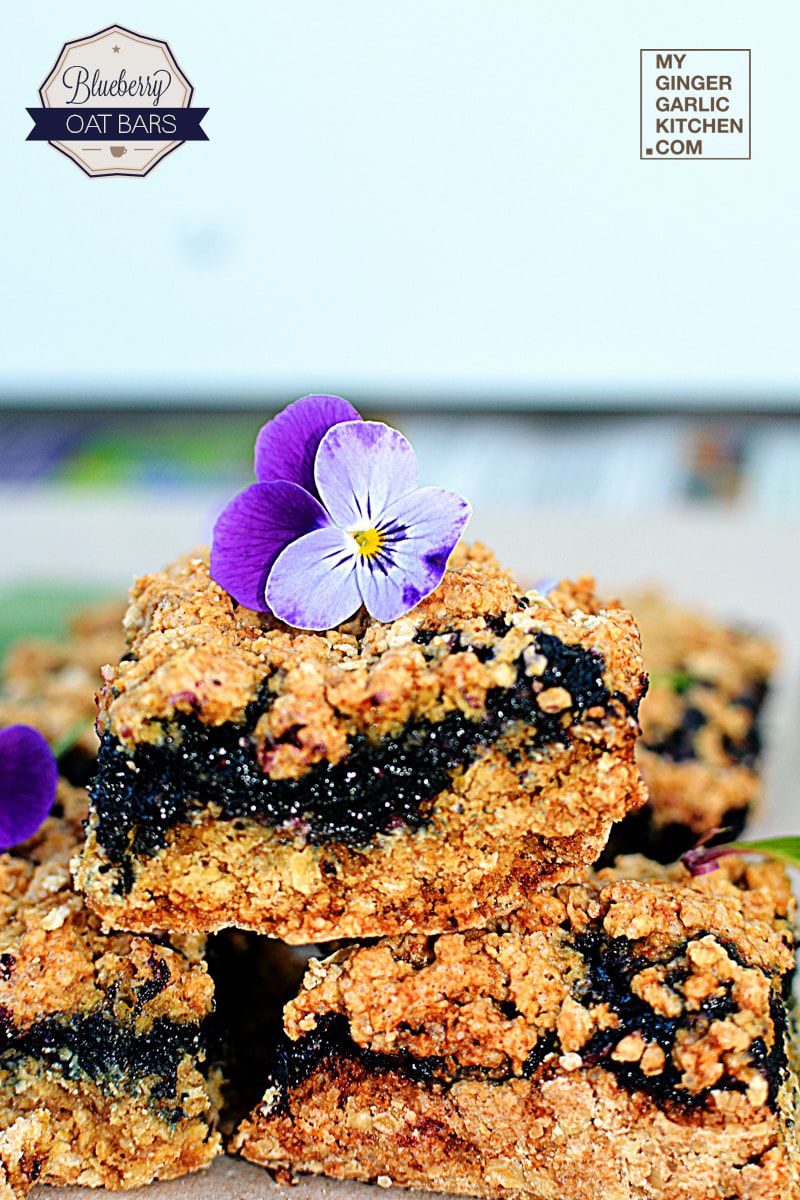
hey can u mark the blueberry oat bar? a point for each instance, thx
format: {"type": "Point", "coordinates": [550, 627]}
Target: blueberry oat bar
{"type": "Point", "coordinates": [701, 742]}
{"type": "Point", "coordinates": [621, 1037]}
{"type": "Point", "coordinates": [370, 780]}
{"type": "Point", "coordinates": [104, 1032]}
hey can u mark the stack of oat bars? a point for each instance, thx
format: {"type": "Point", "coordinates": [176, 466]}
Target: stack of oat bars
{"type": "Point", "coordinates": [488, 1012]}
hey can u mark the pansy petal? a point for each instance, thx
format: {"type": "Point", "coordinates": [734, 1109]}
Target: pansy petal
{"type": "Point", "coordinates": [361, 468]}
{"type": "Point", "coordinates": [28, 781]}
{"type": "Point", "coordinates": [546, 585]}
{"type": "Point", "coordinates": [287, 445]}
{"type": "Point", "coordinates": [253, 530]}
{"type": "Point", "coordinates": [313, 583]}
{"type": "Point", "coordinates": [421, 530]}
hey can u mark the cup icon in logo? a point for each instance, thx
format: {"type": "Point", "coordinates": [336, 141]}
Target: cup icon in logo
{"type": "Point", "coordinates": [118, 151]}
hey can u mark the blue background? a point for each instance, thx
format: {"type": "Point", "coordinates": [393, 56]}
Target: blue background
{"type": "Point", "coordinates": [412, 202]}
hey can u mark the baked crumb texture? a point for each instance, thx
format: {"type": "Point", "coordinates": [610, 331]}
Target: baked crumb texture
{"type": "Point", "coordinates": [102, 1032]}
{"type": "Point", "coordinates": [51, 684]}
{"type": "Point", "coordinates": [376, 779]}
{"type": "Point", "coordinates": [624, 1036]}
{"type": "Point", "coordinates": [700, 745]}
{"type": "Point", "coordinates": [24, 1152]}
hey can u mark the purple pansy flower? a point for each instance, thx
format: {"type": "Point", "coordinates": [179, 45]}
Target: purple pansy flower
{"type": "Point", "coordinates": [28, 781]}
{"type": "Point", "coordinates": [336, 521]}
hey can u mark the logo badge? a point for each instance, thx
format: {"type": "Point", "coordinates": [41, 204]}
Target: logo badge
{"type": "Point", "coordinates": [116, 103]}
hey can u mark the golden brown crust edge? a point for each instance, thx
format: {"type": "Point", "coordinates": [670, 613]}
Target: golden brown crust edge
{"type": "Point", "coordinates": [194, 651]}
{"type": "Point", "coordinates": [578, 1134]}
{"type": "Point", "coordinates": [489, 843]}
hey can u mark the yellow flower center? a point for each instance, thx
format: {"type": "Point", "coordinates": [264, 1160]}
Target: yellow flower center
{"type": "Point", "coordinates": [370, 542]}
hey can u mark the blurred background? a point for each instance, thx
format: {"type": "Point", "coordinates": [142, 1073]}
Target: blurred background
{"type": "Point", "coordinates": [438, 211]}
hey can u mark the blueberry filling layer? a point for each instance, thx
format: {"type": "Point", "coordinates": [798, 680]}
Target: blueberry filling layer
{"type": "Point", "coordinates": [139, 796]}
{"type": "Point", "coordinates": [296, 1061]}
{"type": "Point", "coordinates": [680, 744]}
{"type": "Point", "coordinates": [610, 969]}
{"type": "Point", "coordinates": [109, 1054]}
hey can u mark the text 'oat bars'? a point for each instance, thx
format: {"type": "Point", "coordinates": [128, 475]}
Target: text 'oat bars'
{"type": "Point", "coordinates": [624, 1036]}
{"type": "Point", "coordinates": [422, 775]}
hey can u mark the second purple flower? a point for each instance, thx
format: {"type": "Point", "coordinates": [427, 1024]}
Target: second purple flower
{"type": "Point", "coordinates": [28, 782]}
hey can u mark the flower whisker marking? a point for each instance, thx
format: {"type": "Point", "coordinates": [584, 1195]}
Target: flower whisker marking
{"type": "Point", "coordinates": [378, 564]}
{"type": "Point", "coordinates": [393, 531]}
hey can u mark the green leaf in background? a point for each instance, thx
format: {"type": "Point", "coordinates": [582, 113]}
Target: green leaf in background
{"type": "Point", "coordinates": [169, 451]}
{"type": "Point", "coordinates": [40, 611]}
{"type": "Point", "coordinates": [677, 681]}
{"type": "Point", "coordinates": [703, 858]}
{"type": "Point", "coordinates": [786, 849]}
{"type": "Point", "coordinates": [65, 743]}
